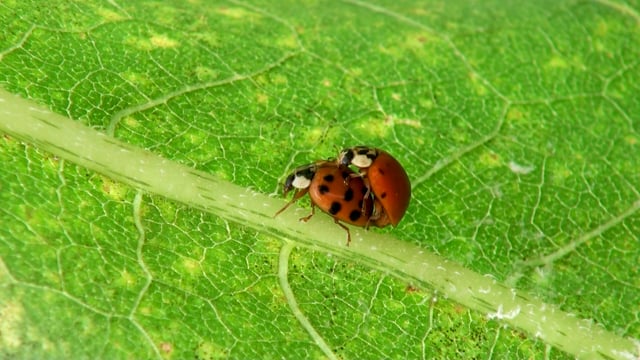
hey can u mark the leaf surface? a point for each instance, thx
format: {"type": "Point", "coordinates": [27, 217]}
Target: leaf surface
{"type": "Point", "coordinates": [137, 212]}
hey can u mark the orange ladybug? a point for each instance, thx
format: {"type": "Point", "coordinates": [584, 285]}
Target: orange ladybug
{"type": "Point", "coordinates": [338, 191]}
{"type": "Point", "coordinates": [384, 176]}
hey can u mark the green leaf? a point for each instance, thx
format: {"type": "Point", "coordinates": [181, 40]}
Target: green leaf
{"type": "Point", "coordinates": [137, 213]}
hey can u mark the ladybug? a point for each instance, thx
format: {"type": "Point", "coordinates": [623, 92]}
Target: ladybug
{"type": "Point", "coordinates": [338, 191]}
{"type": "Point", "coordinates": [383, 175]}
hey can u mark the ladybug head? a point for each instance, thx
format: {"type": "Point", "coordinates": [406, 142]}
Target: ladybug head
{"type": "Point", "coordinates": [300, 178]}
{"type": "Point", "coordinates": [359, 156]}
{"type": "Point", "coordinates": [288, 184]}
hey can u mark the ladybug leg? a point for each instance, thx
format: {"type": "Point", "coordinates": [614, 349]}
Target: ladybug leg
{"type": "Point", "coordinates": [378, 217]}
{"type": "Point", "coordinates": [313, 211]}
{"type": "Point", "coordinates": [367, 194]}
{"type": "Point", "coordinates": [352, 175]}
{"type": "Point", "coordinates": [345, 229]}
{"type": "Point", "coordinates": [297, 195]}
{"type": "Point", "coordinates": [375, 214]}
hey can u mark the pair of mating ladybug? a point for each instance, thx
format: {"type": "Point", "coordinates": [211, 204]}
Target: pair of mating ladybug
{"type": "Point", "coordinates": [378, 194]}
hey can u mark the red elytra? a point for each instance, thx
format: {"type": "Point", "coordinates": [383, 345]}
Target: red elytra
{"type": "Point", "coordinates": [384, 176]}
{"type": "Point", "coordinates": [338, 191]}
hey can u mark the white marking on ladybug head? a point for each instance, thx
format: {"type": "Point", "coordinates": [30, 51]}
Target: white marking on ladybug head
{"type": "Point", "coordinates": [361, 160]}
{"type": "Point", "coordinates": [301, 182]}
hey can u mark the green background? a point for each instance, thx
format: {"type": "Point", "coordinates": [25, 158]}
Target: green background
{"type": "Point", "coordinates": [517, 123]}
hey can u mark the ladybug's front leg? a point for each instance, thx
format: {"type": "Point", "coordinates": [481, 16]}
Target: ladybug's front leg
{"type": "Point", "coordinates": [367, 194]}
{"type": "Point", "coordinates": [353, 175]}
{"type": "Point", "coordinates": [313, 211]}
{"type": "Point", "coordinates": [297, 195]}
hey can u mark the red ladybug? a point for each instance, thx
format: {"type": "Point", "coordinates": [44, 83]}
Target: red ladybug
{"type": "Point", "coordinates": [384, 176]}
{"type": "Point", "coordinates": [338, 191]}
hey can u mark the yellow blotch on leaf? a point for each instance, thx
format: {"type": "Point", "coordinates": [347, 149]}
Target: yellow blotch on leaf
{"type": "Point", "coordinates": [152, 43]}
{"type": "Point", "coordinates": [418, 40]}
{"type": "Point", "coordinates": [289, 42]}
{"type": "Point", "coordinates": [514, 114]}
{"type": "Point", "coordinates": [197, 138]}
{"type": "Point", "coordinates": [279, 79]}
{"type": "Point", "coordinates": [191, 266]}
{"type": "Point", "coordinates": [113, 189]}
{"type": "Point", "coordinates": [557, 62]}
{"type": "Point", "coordinates": [602, 29]}
{"type": "Point", "coordinates": [313, 135]}
{"type": "Point", "coordinates": [408, 122]}
{"type": "Point", "coordinates": [163, 41]}
{"type": "Point", "coordinates": [209, 350]}
{"type": "Point", "coordinates": [109, 15]}
{"type": "Point", "coordinates": [131, 122]}
{"type": "Point", "coordinates": [262, 98]}
{"type": "Point", "coordinates": [137, 79]}
{"type": "Point", "coordinates": [490, 159]}
{"type": "Point", "coordinates": [376, 127]}
{"type": "Point", "coordinates": [11, 325]}
{"type": "Point", "coordinates": [426, 103]}
{"type": "Point", "coordinates": [271, 79]}
{"type": "Point", "coordinates": [559, 175]}
{"type": "Point", "coordinates": [238, 13]}
{"type": "Point", "coordinates": [205, 73]}
{"type": "Point", "coordinates": [127, 279]}
{"type": "Point", "coordinates": [631, 140]}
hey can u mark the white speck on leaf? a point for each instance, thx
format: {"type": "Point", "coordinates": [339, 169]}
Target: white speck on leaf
{"type": "Point", "coordinates": [520, 169]}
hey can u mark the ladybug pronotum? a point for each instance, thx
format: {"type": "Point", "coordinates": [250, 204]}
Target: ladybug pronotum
{"type": "Point", "coordinates": [383, 176]}
{"type": "Point", "coordinates": [338, 191]}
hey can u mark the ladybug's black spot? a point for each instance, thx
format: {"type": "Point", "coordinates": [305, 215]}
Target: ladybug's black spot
{"type": "Point", "coordinates": [355, 215]}
{"type": "Point", "coordinates": [328, 178]}
{"type": "Point", "coordinates": [323, 189]}
{"type": "Point", "coordinates": [381, 171]}
{"type": "Point", "coordinates": [335, 208]}
{"type": "Point", "coordinates": [383, 195]}
{"type": "Point", "coordinates": [364, 190]}
{"type": "Point", "coordinates": [348, 195]}
{"type": "Point", "coordinates": [345, 174]}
